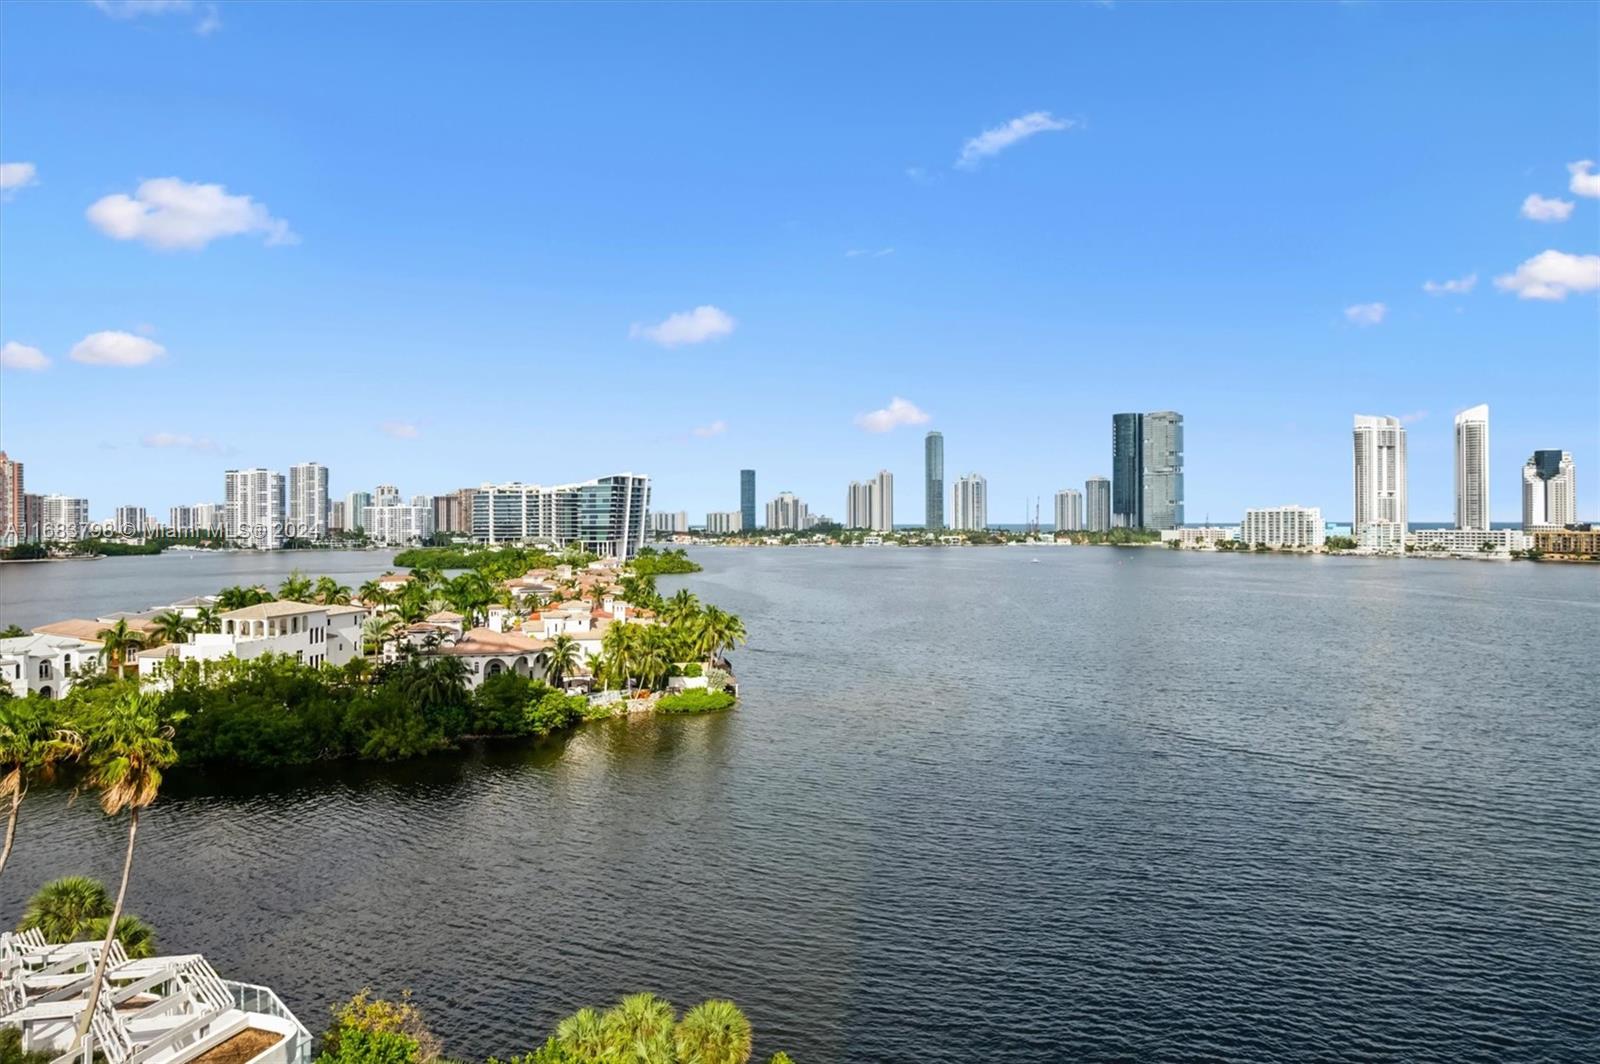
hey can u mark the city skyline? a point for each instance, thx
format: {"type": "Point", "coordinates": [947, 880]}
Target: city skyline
{"type": "Point", "coordinates": [858, 271]}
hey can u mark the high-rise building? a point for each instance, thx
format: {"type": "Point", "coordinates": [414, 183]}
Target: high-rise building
{"type": "Point", "coordinates": [255, 507]}
{"type": "Point", "coordinates": [1284, 526]}
{"type": "Point", "coordinates": [392, 522]}
{"type": "Point", "coordinates": [747, 499]}
{"type": "Point", "coordinates": [604, 516]}
{"type": "Point", "coordinates": [1472, 468]}
{"type": "Point", "coordinates": [1549, 491]}
{"type": "Point", "coordinates": [63, 518]}
{"type": "Point", "coordinates": [1097, 504]}
{"type": "Point", "coordinates": [933, 481]}
{"type": "Point", "coordinates": [1378, 521]}
{"type": "Point", "coordinates": [969, 503]}
{"type": "Point", "coordinates": [666, 524]}
{"type": "Point", "coordinates": [336, 517]}
{"type": "Point", "coordinates": [1147, 470]}
{"type": "Point", "coordinates": [203, 518]}
{"type": "Point", "coordinates": [787, 513]}
{"type": "Point", "coordinates": [131, 521]}
{"type": "Point", "coordinates": [453, 512]}
{"type": "Point", "coordinates": [355, 510]}
{"type": "Point", "coordinates": [308, 501]}
{"type": "Point", "coordinates": [883, 501]}
{"type": "Point", "coordinates": [1161, 491]}
{"type": "Point", "coordinates": [1069, 510]}
{"type": "Point", "coordinates": [1127, 470]}
{"type": "Point", "coordinates": [723, 522]}
{"type": "Point", "coordinates": [13, 506]}
{"type": "Point", "coordinates": [858, 505]}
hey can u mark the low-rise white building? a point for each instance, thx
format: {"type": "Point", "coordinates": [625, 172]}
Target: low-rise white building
{"type": "Point", "coordinates": [487, 653]}
{"type": "Point", "coordinates": [1199, 538]}
{"type": "Point", "coordinates": [723, 522]}
{"type": "Point", "coordinates": [310, 633]}
{"type": "Point", "coordinates": [45, 664]}
{"type": "Point", "coordinates": [1470, 541]}
{"type": "Point", "coordinates": [1280, 527]}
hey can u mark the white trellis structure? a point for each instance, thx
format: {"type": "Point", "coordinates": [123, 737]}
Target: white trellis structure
{"type": "Point", "coordinates": [159, 1010]}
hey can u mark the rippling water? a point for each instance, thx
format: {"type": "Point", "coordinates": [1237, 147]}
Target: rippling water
{"type": "Point", "coordinates": [1116, 805]}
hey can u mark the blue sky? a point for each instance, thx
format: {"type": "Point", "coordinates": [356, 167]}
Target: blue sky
{"type": "Point", "coordinates": [446, 238]}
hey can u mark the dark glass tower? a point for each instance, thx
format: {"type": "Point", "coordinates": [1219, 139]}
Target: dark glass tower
{"type": "Point", "coordinates": [1127, 470]}
{"type": "Point", "coordinates": [933, 481]}
{"type": "Point", "coordinates": [747, 499]}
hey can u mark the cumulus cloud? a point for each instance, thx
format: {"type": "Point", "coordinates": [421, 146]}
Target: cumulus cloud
{"type": "Point", "coordinates": [1538, 209]}
{"type": "Point", "coordinates": [716, 428]}
{"type": "Point", "coordinates": [868, 253]}
{"type": "Point", "coordinates": [1460, 286]}
{"type": "Point", "coordinates": [686, 327]}
{"type": "Point", "coordinates": [209, 19]}
{"type": "Point", "coordinates": [1585, 182]}
{"type": "Point", "coordinates": [169, 213]}
{"type": "Point", "coordinates": [898, 412]}
{"type": "Point", "coordinates": [1366, 313]}
{"type": "Point", "coordinates": [113, 348]}
{"type": "Point", "coordinates": [20, 356]}
{"type": "Point", "coordinates": [181, 441]}
{"type": "Point", "coordinates": [401, 430]}
{"type": "Point", "coordinates": [16, 175]}
{"type": "Point", "coordinates": [994, 141]}
{"type": "Point", "coordinates": [1551, 275]}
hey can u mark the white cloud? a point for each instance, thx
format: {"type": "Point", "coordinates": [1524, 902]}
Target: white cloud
{"type": "Point", "coordinates": [401, 430]}
{"type": "Point", "coordinates": [898, 412]}
{"type": "Point", "coordinates": [868, 253]}
{"type": "Point", "coordinates": [1366, 313]}
{"type": "Point", "coordinates": [1413, 417]}
{"type": "Point", "coordinates": [996, 140]}
{"type": "Point", "coordinates": [686, 327]}
{"type": "Point", "coordinates": [181, 441]}
{"type": "Point", "coordinates": [1551, 275]}
{"type": "Point", "coordinates": [1460, 286]}
{"type": "Point", "coordinates": [113, 348]}
{"type": "Point", "coordinates": [20, 356]}
{"type": "Point", "coordinates": [16, 175]}
{"type": "Point", "coordinates": [716, 428]}
{"type": "Point", "coordinates": [209, 21]}
{"type": "Point", "coordinates": [1538, 209]}
{"type": "Point", "coordinates": [168, 213]}
{"type": "Point", "coordinates": [1585, 182]}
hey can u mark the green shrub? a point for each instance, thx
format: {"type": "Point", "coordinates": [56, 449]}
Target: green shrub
{"type": "Point", "coordinates": [695, 702]}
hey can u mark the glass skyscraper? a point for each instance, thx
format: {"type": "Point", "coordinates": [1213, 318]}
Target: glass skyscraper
{"type": "Point", "coordinates": [747, 499]}
{"type": "Point", "coordinates": [933, 480]}
{"type": "Point", "coordinates": [1162, 496]}
{"type": "Point", "coordinates": [1127, 470]}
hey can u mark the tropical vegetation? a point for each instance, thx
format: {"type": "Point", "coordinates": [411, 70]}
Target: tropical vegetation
{"type": "Point", "coordinates": [640, 1029]}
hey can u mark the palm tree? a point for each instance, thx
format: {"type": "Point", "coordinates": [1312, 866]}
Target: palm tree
{"type": "Point", "coordinates": [560, 658]}
{"type": "Point", "coordinates": [330, 592]}
{"type": "Point", "coordinates": [30, 749]}
{"type": "Point", "coordinates": [137, 937]}
{"type": "Point", "coordinates": [713, 1032]}
{"type": "Point", "coordinates": [440, 683]}
{"type": "Point", "coordinates": [379, 629]}
{"type": "Point", "coordinates": [723, 631]}
{"type": "Point", "coordinates": [619, 643]}
{"type": "Point", "coordinates": [638, 1029]}
{"type": "Point", "coordinates": [582, 1036]}
{"type": "Point", "coordinates": [171, 627]}
{"type": "Point", "coordinates": [63, 909]}
{"type": "Point", "coordinates": [296, 587]}
{"type": "Point", "coordinates": [128, 746]}
{"type": "Point", "coordinates": [371, 593]}
{"type": "Point", "coordinates": [653, 660]}
{"type": "Point", "coordinates": [680, 607]}
{"type": "Point", "coordinates": [116, 642]}
{"type": "Point", "coordinates": [206, 620]}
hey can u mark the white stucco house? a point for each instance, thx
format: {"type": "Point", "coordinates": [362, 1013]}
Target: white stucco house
{"type": "Point", "coordinates": [310, 633]}
{"type": "Point", "coordinates": [486, 652]}
{"type": "Point", "coordinates": [45, 664]}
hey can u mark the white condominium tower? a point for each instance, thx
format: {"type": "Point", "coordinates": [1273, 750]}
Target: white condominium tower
{"type": "Point", "coordinates": [858, 505]}
{"type": "Point", "coordinates": [969, 504]}
{"type": "Point", "coordinates": [871, 505]}
{"type": "Point", "coordinates": [1097, 504]}
{"type": "Point", "coordinates": [308, 501]}
{"type": "Point", "coordinates": [604, 516]}
{"type": "Point", "coordinates": [787, 513]}
{"type": "Point", "coordinates": [1472, 468]}
{"type": "Point", "coordinates": [1380, 515]}
{"type": "Point", "coordinates": [1549, 491]}
{"type": "Point", "coordinates": [254, 501]}
{"type": "Point", "coordinates": [1069, 510]}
